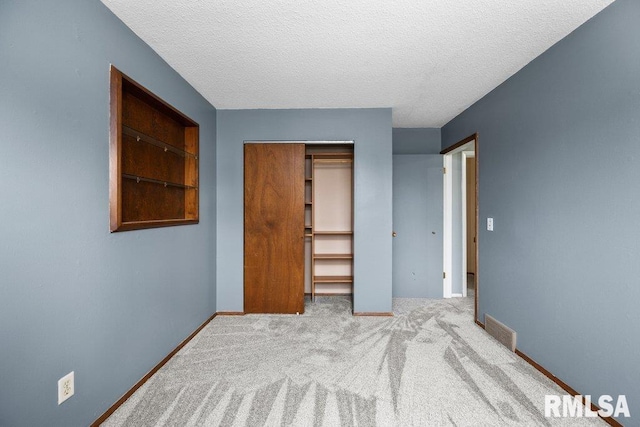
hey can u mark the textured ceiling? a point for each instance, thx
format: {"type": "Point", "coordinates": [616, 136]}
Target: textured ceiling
{"type": "Point", "coordinates": [426, 59]}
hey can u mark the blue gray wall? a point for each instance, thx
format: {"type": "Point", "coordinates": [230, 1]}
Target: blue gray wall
{"type": "Point", "coordinates": [416, 140]}
{"type": "Point", "coordinates": [413, 205]}
{"type": "Point", "coordinates": [371, 131]}
{"type": "Point", "coordinates": [418, 222]}
{"type": "Point", "coordinates": [74, 297]}
{"type": "Point", "coordinates": [558, 163]}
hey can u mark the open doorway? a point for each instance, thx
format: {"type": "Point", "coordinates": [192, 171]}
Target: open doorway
{"type": "Point", "coordinates": [460, 254]}
{"type": "Point", "coordinates": [468, 187]}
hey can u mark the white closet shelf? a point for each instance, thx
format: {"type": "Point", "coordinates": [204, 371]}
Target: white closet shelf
{"type": "Point", "coordinates": [333, 256]}
{"type": "Point", "coordinates": [333, 279]}
{"type": "Point", "coordinates": [333, 233]}
{"type": "Point", "coordinates": [332, 161]}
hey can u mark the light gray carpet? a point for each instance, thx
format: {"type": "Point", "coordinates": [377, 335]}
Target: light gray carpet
{"type": "Point", "coordinates": [429, 365]}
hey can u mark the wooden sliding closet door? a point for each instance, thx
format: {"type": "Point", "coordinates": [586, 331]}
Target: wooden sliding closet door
{"type": "Point", "coordinates": [274, 228]}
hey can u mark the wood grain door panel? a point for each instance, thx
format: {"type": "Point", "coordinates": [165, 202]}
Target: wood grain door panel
{"type": "Point", "coordinates": [274, 228]}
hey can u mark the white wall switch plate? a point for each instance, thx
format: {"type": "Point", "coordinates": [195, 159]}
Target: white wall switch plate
{"type": "Point", "coordinates": [489, 224]}
{"type": "Point", "coordinates": [65, 387]}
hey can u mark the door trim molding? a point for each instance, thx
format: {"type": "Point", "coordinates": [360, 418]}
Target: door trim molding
{"type": "Point", "coordinates": [473, 137]}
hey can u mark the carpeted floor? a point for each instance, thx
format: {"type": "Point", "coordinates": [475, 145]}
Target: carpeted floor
{"type": "Point", "coordinates": [429, 365]}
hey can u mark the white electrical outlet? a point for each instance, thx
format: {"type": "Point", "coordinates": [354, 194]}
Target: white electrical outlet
{"type": "Point", "coordinates": [489, 224]}
{"type": "Point", "coordinates": [65, 387]}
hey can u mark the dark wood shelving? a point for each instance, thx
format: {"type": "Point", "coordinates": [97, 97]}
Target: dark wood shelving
{"type": "Point", "coordinates": [156, 181]}
{"type": "Point", "coordinates": [153, 160]}
{"type": "Point", "coordinates": [141, 137]}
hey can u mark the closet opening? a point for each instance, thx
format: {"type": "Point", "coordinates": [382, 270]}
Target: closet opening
{"type": "Point", "coordinates": [298, 224]}
{"type": "Point", "coordinates": [328, 220]}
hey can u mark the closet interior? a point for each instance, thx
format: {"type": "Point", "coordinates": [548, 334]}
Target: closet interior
{"type": "Point", "coordinates": [328, 220]}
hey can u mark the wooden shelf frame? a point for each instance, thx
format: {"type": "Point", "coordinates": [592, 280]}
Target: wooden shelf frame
{"type": "Point", "coordinates": [153, 160]}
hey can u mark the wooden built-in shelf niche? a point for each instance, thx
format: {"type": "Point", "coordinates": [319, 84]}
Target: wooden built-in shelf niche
{"type": "Point", "coordinates": [153, 160]}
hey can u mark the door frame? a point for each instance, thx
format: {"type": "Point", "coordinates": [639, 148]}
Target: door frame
{"type": "Point", "coordinates": [469, 143]}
